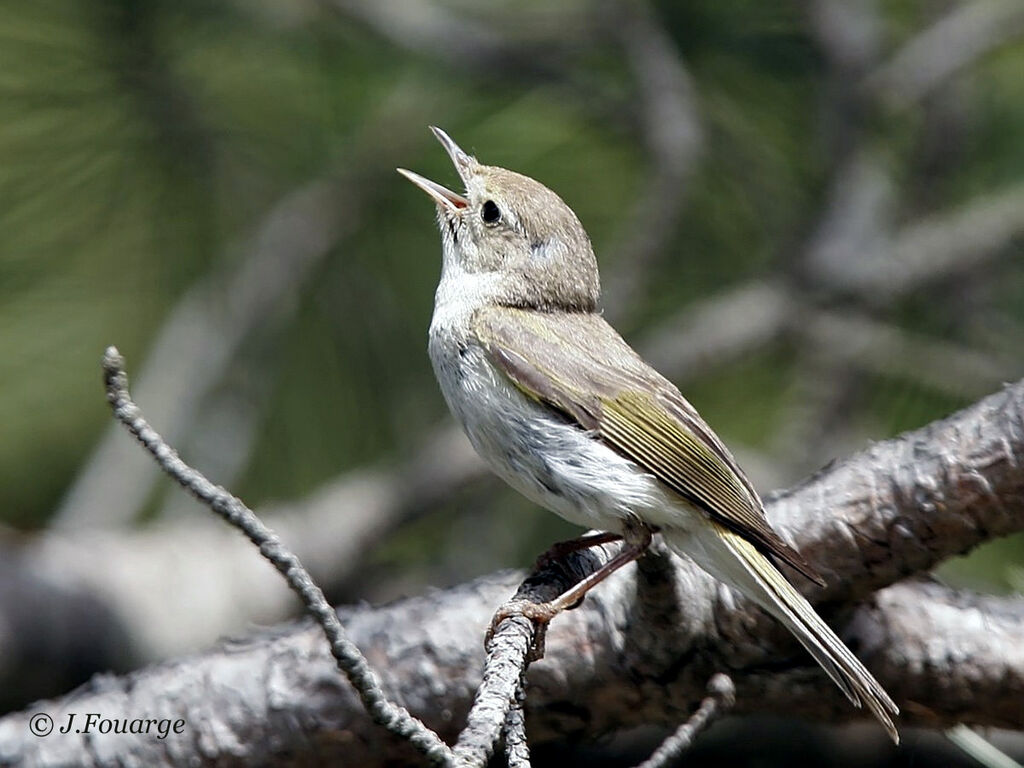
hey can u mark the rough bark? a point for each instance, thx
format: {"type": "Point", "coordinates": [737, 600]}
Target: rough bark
{"type": "Point", "coordinates": [276, 699]}
{"type": "Point", "coordinates": [639, 650]}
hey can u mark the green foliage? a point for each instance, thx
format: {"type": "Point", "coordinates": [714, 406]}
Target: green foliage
{"type": "Point", "coordinates": [142, 142]}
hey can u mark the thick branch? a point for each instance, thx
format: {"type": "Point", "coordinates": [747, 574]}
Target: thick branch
{"type": "Point", "coordinates": [640, 651]}
{"type": "Point", "coordinates": [277, 699]}
{"type": "Point", "coordinates": [904, 505]}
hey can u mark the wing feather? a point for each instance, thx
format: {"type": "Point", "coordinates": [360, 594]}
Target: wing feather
{"type": "Point", "coordinates": [577, 364]}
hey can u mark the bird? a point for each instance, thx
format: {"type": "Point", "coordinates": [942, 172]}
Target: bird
{"type": "Point", "coordinates": [559, 406]}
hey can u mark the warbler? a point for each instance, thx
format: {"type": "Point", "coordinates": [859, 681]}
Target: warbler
{"type": "Point", "coordinates": [564, 410]}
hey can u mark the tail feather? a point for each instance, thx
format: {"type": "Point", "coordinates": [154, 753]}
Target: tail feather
{"type": "Point", "coordinates": [761, 581]}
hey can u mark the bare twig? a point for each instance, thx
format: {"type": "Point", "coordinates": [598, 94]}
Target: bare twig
{"type": "Point", "coordinates": [982, 750]}
{"type": "Point", "coordinates": [196, 343]}
{"type": "Point", "coordinates": [899, 507]}
{"type": "Point", "coordinates": [671, 132]}
{"type": "Point", "coordinates": [507, 654]}
{"type": "Point", "coordinates": [951, 44]}
{"type": "Point", "coordinates": [718, 330]}
{"type": "Point", "coordinates": [517, 748]}
{"type": "Point", "coordinates": [934, 248]}
{"type": "Point", "coordinates": [493, 701]}
{"type": "Point", "coordinates": [721, 698]}
{"type": "Point", "coordinates": [276, 698]}
{"type": "Point", "coordinates": [209, 325]}
{"type": "Point", "coordinates": [348, 657]}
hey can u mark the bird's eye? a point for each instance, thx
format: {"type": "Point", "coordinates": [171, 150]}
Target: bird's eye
{"type": "Point", "coordinates": [490, 213]}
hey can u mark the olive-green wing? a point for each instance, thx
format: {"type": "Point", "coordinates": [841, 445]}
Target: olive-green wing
{"type": "Point", "coordinates": [577, 363]}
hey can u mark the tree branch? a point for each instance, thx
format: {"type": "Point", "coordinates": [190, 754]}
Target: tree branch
{"type": "Point", "coordinates": [196, 344]}
{"type": "Point", "coordinates": [953, 43]}
{"type": "Point", "coordinates": [638, 650]}
{"type": "Point", "coordinates": [904, 505]}
{"type": "Point", "coordinates": [349, 660]}
{"type": "Point", "coordinates": [933, 248]}
{"type": "Point", "coordinates": [721, 697]}
{"type": "Point", "coordinates": [517, 748]}
{"type": "Point", "coordinates": [671, 131]}
{"type": "Point", "coordinates": [277, 697]}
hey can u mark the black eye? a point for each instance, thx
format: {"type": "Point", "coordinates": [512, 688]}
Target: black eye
{"type": "Point", "coordinates": [490, 213]}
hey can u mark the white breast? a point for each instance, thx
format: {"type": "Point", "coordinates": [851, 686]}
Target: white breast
{"type": "Point", "coordinates": [549, 460]}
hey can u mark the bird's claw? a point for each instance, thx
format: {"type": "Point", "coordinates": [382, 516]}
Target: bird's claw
{"type": "Point", "coordinates": [540, 614]}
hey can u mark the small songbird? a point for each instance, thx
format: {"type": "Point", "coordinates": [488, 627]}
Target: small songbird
{"type": "Point", "coordinates": [569, 415]}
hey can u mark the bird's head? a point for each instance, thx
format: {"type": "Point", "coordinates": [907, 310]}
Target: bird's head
{"type": "Point", "coordinates": [515, 233]}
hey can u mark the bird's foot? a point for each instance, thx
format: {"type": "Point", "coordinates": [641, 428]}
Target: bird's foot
{"type": "Point", "coordinates": [540, 614]}
{"type": "Point", "coordinates": [558, 551]}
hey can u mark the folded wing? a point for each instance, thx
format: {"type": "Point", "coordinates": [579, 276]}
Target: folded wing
{"type": "Point", "coordinates": [577, 364]}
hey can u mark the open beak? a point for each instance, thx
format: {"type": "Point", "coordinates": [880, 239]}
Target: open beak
{"type": "Point", "coordinates": [443, 196]}
{"type": "Point", "coordinates": [460, 159]}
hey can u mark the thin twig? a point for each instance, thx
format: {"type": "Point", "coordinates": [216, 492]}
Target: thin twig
{"type": "Point", "coordinates": [955, 42]}
{"type": "Point", "coordinates": [670, 128]}
{"type": "Point", "coordinates": [981, 749]}
{"type": "Point", "coordinates": [395, 718]}
{"type": "Point", "coordinates": [898, 508]}
{"type": "Point", "coordinates": [721, 697]}
{"type": "Point", "coordinates": [508, 651]}
{"type": "Point", "coordinates": [517, 748]}
{"type": "Point", "coordinates": [198, 341]}
{"type": "Point", "coordinates": [935, 247]}
{"type": "Point", "coordinates": [506, 664]}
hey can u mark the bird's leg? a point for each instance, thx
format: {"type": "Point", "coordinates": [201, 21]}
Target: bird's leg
{"type": "Point", "coordinates": [636, 542]}
{"type": "Point", "coordinates": [560, 549]}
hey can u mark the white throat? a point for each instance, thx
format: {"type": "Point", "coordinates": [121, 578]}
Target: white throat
{"type": "Point", "coordinates": [459, 294]}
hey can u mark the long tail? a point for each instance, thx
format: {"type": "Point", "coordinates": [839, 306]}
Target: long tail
{"type": "Point", "coordinates": [732, 559]}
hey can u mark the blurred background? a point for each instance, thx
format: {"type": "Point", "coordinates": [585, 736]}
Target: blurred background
{"type": "Point", "coordinates": [810, 215]}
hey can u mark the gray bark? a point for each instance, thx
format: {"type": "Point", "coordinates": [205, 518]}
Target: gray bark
{"type": "Point", "coordinates": [643, 646]}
